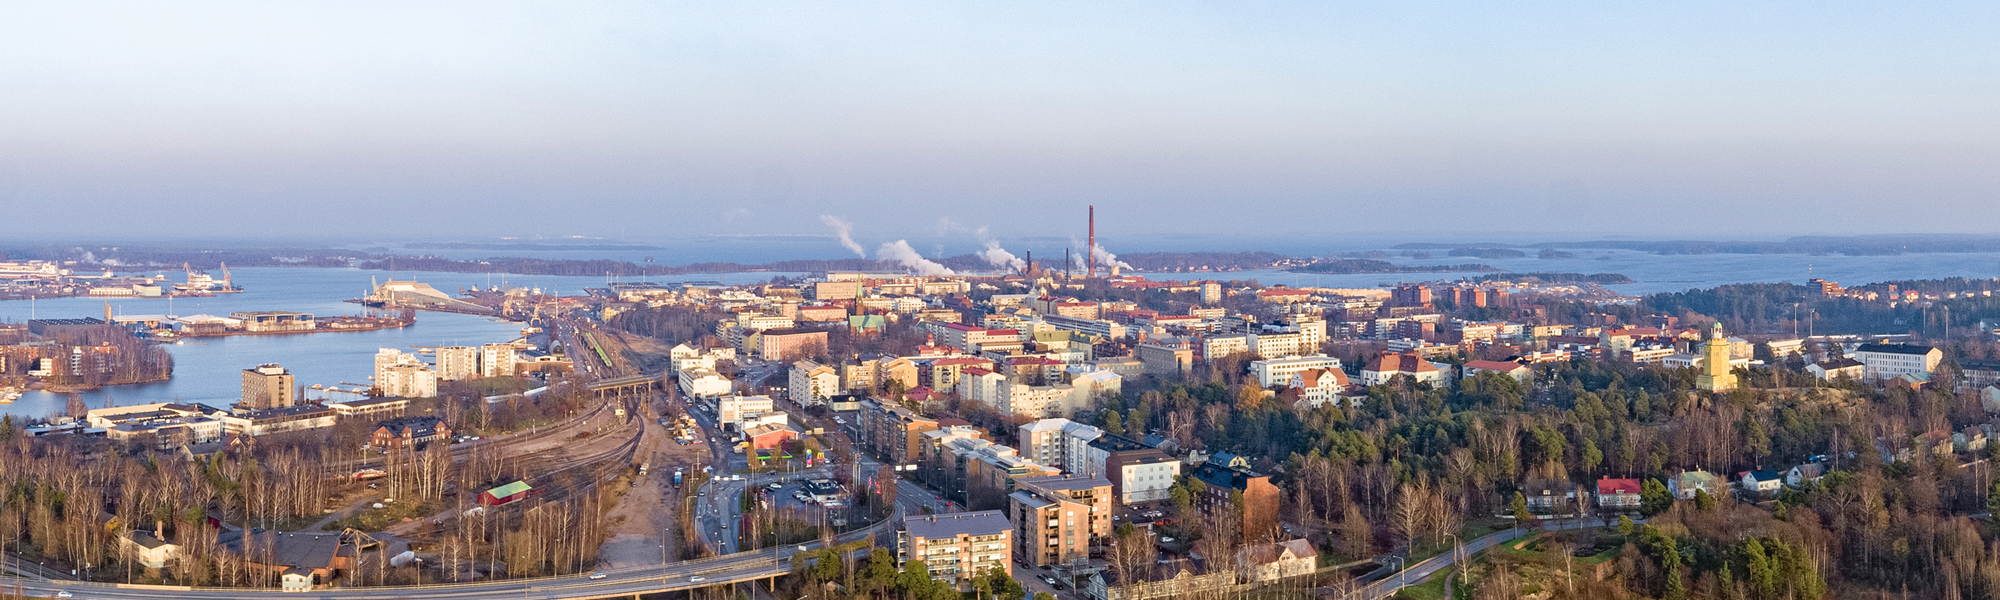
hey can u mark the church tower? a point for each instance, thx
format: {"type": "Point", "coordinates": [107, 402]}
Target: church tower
{"type": "Point", "coordinates": [1715, 373]}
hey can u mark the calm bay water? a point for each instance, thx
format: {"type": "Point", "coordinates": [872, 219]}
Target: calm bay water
{"type": "Point", "coordinates": [208, 370]}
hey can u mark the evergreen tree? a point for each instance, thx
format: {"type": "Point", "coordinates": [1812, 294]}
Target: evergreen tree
{"type": "Point", "coordinates": [1520, 507]}
{"type": "Point", "coordinates": [1703, 501]}
{"type": "Point", "coordinates": [1624, 526]}
{"type": "Point", "coordinates": [1763, 576]}
{"type": "Point", "coordinates": [1654, 498]}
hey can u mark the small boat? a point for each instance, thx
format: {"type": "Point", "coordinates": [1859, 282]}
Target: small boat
{"type": "Point", "coordinates": [9, 395]}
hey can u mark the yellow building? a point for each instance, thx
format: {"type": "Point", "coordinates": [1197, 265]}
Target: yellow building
{"type": "Point", "coordinates": [1715, 373]}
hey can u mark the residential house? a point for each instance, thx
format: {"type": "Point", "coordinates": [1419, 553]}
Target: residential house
{"type": "Point", "coordinates": [1550, 496]}
{"type": "Point", "coordinates": [1317, 387]}
{"type": "Point", "coordinates": [1387, 366]}
{"type": "Point", "coordinates": [1684, 485]}
{"type": "Point", "coordinates": [1518, 371]}
{"type": "Point", "coordinates": [1804, 474]}
{"type": "Point", "coordinates": [1618, 494]}
{"type": "Point", "coordinates": [1761, 481]}
{"type": "Point", "coordinates": [1280, 560]}
{"type": "Point", "coordinates": [1837, 368]}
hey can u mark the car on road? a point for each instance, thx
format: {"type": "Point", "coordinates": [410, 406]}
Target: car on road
{"type": "Point", "coordinates": [64, 594]}
{"type": "Point", "coordinates": [1048, 580]}
{"type": "Point", "coordinates": [596, 576]}
{"type": "Point", "coordinates": [1166, 540]}
{"type": "Point", "coordinates": [697, 579]}
{"type": "Point", "coordinates": [775, 486]}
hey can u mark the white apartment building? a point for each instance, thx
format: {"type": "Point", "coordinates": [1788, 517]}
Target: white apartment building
{"type": "Point", "coordinates": [407, 380]}
{"type": "Point", "coordinates": [957, 545]}
{"type": "Point", "coordinates": [1037, 400]}
{"type": "Point", "coordinates": [1224, 345]}
{"type": "Point", "coordinates": [702, 382]}
{"type": "Point", "coordinates": [1888, 361]}
{"type": "Point", "coordinates": [732, 410]}
{"type": "Point", "coordinates": [1279, 344]}
{"type": "Point", "coordinates": [456, 363]}
{"type": "Point", "coordinates": [980, 385]}
{"type": "Point", "coordinates": [1059, 443]}
{"type": "Point", "coordinates": [390, 357]}
{"type": "Point", "coordinates": [1274, 372]}
{"type": "Point", "coordinates": [496, 360]}
{"type": "Point", "coordinates": [812, 383]}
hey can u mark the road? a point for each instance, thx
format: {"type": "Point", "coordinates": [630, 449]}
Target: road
{"type": "Point", "coordinates": [739, 567]}
{"type": "Point", "coordinates": [1422, 571]}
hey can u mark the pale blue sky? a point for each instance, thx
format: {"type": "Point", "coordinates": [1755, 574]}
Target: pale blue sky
{"type": "Point", "coordinates": [1662, 119]}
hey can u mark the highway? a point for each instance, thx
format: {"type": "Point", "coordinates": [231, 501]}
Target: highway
{"type": "Point", "coordinates": [616, 583]}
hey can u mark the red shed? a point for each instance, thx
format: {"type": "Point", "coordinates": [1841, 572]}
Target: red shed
{"type": "Point", "coordinates": [504, 494]}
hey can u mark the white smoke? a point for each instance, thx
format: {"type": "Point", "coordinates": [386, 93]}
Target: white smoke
{"type": "Point", "coordinates": [1105, 258]}
{"type": "Point", "coordinates": [901, 253]}
{"type": "Point", "coordinates": [997, 256]}
{"type": "Point", "coordinates": [841, 231]}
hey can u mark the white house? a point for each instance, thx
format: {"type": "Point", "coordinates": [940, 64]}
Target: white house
{"type": "Point", "coordinates": [1387, 366]}
{"type": "Point", "coordinates": [1317, 387]}
{"type": "Point", "coordinates": [1272, 372]}
{"type": "Point", "coordinates": [1762, 481]}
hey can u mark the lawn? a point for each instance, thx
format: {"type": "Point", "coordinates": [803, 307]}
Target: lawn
{"type": "Point", "coordinates": [378, 519]}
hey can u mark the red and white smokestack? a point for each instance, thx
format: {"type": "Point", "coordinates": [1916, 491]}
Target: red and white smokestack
{"type": "Point", "coordinates": [1093, 241]}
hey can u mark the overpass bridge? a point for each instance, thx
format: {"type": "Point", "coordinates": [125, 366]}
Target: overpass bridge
{"type": "Point", "coordinates": [629, 384]}
{"type": "Point", "coordinates": [617, 583]}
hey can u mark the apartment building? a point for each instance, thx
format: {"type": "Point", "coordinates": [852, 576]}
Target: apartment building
{"type": "Point", "coordinates": [1057, 518]}
{"type": "Point", "coordinates": [1889, 361]}
{"type": "Point", "coordinates": [958, 545]}
{"type": "Point", "coordinates": [269, 386]}
{"type": "Point", "coordinates": [1258, 521]}
{"type": "Point", "coordinates": [455, 363]}
{"type": "Point", "coordinates": [891, 432]}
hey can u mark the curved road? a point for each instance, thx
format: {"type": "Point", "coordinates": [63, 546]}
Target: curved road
{"type": "Point", "coordinates": [1418, 573]}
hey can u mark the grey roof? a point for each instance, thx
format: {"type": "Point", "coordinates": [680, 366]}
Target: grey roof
{"type": "Point", "coordinates": [293, 549]}
{"type": "Point", "coordinates": [1064, 483]}
{"type": "Point", "coordinates": [1896, 349]}
{"type": "Point", "coordinates": [1029, 500]}
{"type": "Point", "coordinates": [1114, 443]}
{"type": "Point", "coordinates": [932, 527]}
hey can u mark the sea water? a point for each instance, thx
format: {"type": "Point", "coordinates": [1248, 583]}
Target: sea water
{"type": "Point", "coordinates": [209, 370]}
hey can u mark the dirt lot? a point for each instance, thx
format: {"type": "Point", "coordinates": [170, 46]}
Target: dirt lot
{"type": "Point", "coordinates": [644, 519]}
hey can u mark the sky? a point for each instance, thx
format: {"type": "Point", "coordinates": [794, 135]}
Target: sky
{"type": "Point", "coordinates": [1200, 121]}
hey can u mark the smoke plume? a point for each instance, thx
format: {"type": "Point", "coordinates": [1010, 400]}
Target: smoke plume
{"type": "Point", "coordinates": [1106, 258]}
{"type": "Point", "coordinates": [996, 256]}
{"type": "Point", "coordinates": [841, 230]}
{"type": "Point", "coordinates": [901, 253]}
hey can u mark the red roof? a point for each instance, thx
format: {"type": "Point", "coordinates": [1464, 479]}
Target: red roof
{"type": "Point", "coordinates": [1401, 363]}
{"type": "Point", "coordinates": [1002, 332]}
{"type": "Point", "coordinates": [1495, 365]}
{"type": "Point", "coordinates": [1314, 378]}
{"type": "Point", "coordinates": [1617, 486]}
{"type": "Point", "coordinates": [975, 371]}
{"type": "Point", "coordinates": [1285, 293]}
{"type": "Point", "coordinates": [960, 327]}
{"type": "Point", "coordinates": [959, 360]}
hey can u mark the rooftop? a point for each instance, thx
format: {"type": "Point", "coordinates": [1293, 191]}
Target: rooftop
{"type": "Point", "coordinates": [931, 527]}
